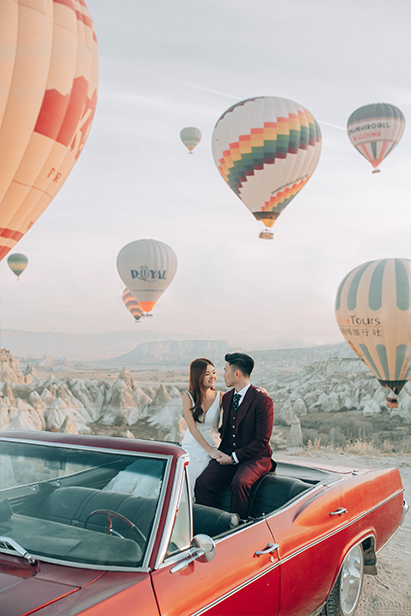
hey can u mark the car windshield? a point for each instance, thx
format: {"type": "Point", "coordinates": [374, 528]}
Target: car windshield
{"type": "Point", "coordinates": [82, 507]}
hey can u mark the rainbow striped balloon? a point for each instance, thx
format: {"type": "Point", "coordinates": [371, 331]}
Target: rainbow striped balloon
{"type": "Point", "coordinates": [266, 150]}
{"type": "Point", "coordinates": [373, 313]}
{"type": "Point", "coordinates": [375, 130]}
{"type": "Point", "coordinates": [132, 305]}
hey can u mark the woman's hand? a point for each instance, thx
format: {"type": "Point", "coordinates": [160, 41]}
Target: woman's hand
{"type": "Point", "coordinates": [215, 454]}
{"type": "Point", "coordinates": [264, 391]}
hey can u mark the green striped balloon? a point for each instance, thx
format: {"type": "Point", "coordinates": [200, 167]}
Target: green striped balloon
{"type": "Point", "coordinates": [17, 263]}
{"type": "Point", "coordinates": [373, 309]}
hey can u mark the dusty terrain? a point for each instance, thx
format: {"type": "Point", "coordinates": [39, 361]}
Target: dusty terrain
{"type": "Point", "coordinates": [389, 592]}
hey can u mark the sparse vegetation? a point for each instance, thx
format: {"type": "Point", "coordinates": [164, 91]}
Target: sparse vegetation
{"type": "Point", "coordinates": [360, 446]}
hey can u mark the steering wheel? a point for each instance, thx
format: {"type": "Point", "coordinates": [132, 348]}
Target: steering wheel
{"type": "Point", "coordinates": [109, 525]}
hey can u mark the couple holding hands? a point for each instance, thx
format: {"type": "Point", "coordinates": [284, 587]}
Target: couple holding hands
{"type": "Point", "coordinates": [237, 452]}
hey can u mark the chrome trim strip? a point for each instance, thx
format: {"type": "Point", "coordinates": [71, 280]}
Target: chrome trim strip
{"type": "Point", "coordinates": [177, 488]}
{"type": "Point", "coordinates": [76, 565]}
{"type": "Point", "coordinates": [235, 590]}
{"type": "Point", "coordinates": [339, 529]}
{"type": "Point", "coordinates": [159, 509]}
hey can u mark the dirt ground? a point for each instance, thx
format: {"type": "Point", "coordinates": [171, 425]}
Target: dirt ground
{"type": "Point", "coordinates": [389, 592]}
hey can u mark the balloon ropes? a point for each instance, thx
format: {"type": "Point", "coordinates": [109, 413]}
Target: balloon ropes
{"type": "Point", "coordinates": [17, 263]}
{"type": "Point", "coordinates": [191, 137]}
{"type": "Point", "coordinates": [373, 313]}
{"type": "Point", "coordinates": [266, 149]}
{"type": "Point", "coordinates": [147, 267]}
{"type": "Point", "coordinates": [49, 75]}
{"type": "Point", "coordinates": [132, 305]}
{"type": "Point", "coordinates": [374, 130]}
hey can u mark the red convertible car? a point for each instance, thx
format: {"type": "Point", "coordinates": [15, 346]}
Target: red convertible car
{"type": "Point", "coordinates": [105, 526]}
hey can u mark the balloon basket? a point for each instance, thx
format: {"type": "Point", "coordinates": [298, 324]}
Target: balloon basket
{"type": "Point", "coordinates": [266, 235]}
{"type": "Point", "coordinates": [376, 171]}
{"type": "Point", "coordinates": [391, 403]}
{"type": "Point", "coordinates": [146, 315]}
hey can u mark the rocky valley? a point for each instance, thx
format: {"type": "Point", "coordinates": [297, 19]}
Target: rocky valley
{"type": "Point", "coordinates": [321, 397]}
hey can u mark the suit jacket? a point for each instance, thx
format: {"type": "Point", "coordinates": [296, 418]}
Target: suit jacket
{"type": "Point", "coordinates": [253, 426]}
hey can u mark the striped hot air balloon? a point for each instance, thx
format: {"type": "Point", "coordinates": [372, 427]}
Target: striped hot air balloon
{"type": "Point", "coordinates": [375, 130]}
{"type": "Point", "coordinates": [48, 94]}
{"type": "Point", "coordinates": [191, 137]}
{"type": "Point", "coordinates": [266, 150]}
{"type": "Point", "coordinates": [147, 267]}
{"type": "Point", "coordinates": [17, 263]}
{"type": "Point", "coordinates": [373, 313]}
{"type": "Point", "coordinates": [132, 305]}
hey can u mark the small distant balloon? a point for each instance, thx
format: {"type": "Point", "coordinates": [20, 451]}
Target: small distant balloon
{"type": "Point", "coordinates": [373, 310]}
{"type": "Point", "coordinates": [266, 149]}
{"type": "Point", "coordinates": [132, 305]}
{"type": "Point", "coordinates": [191, 137]}
{"type": "Point", "coordinates": [147, 267]}
{"type": "Point", "coordinates": [375, 130]}
{"type": "Point", "coordinates": [17, 263]}
{"type": "Point", "coordinates": [48, 95]}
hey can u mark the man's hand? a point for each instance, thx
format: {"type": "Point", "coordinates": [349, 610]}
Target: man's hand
{"type": "Point", "coordinates": [224, 459]}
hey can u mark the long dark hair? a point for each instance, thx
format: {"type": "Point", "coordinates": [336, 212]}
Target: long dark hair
{"type": "Point", "coordinates": [198, 368]}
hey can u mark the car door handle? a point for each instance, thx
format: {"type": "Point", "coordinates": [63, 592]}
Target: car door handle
{"type": "Point", "coordinates": [339, 511]}
{"type": "Point", "coordinates": [271, 547]}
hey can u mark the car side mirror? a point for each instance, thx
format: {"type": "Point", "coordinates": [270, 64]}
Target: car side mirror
{"type": "Point", "coordinates": [202, 549]}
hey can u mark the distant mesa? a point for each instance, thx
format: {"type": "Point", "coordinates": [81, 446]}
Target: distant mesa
{"type": "Point", "coordinates": [178, 352]}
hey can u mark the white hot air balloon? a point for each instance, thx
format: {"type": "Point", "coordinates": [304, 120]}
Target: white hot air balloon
{"type": "Point", "coordinates": [266, 149]}
{"type": "Point", "coordinates": [147, 267]}
{"type": "Point", "coordinates": [191, 137]}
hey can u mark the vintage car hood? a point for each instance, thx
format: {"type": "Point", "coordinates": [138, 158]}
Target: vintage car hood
{"type": "Point", "coordinates": [24, 589]}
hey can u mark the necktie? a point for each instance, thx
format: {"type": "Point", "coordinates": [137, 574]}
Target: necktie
{"type": "Point", "coordinates": [236, 400]}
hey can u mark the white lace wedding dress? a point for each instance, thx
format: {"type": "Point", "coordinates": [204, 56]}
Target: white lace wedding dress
{"type": "Point", "coordinates": [199, 458]}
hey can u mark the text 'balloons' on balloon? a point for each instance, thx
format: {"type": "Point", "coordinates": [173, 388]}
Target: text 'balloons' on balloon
{"type": "Point", "coordinates": [17, 263]}
{"type": "Point", "coordinates": [375, 130]}
{"type": "Point", "coordinates": [147, 267]}
{"type": "Point", "coordinates": [373, 313]}
{"type": "Point", "coordinates": [266, 149]}
{"type": "Point", "coordinates": [191, 137]}
{"type": "Point", "coordinates": [48, 94]}
{"type": "Point", "coordinates": [132, 305]}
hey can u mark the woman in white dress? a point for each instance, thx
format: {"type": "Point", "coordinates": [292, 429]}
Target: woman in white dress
{"type": "Point", "coordinates": [202, 410]}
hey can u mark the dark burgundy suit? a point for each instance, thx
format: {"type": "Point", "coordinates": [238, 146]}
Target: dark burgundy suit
{"type": "Point", "coordinates": [248, 435]}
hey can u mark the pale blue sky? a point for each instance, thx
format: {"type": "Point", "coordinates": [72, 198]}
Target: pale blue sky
{"type": "Point", "coordinates": [165, 65]}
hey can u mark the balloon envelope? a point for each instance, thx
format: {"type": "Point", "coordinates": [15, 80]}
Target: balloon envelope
{"type": "Point", "coordinates": [17, 263]}
{"type": "Point", "coordinates": [191, 137]}
{"type": "Point", "coordinates": [266, 149]}
{"type": "Point", "coordinates": [48, 94]}
{"type": "Point", "coordinates": [132, 305]}
{"type": "Point", "coordinates": [147, 267]}
{"type": "Point", "coordinates": [374, 130]}
{"type": "Point", "coordinates": [373, 313]}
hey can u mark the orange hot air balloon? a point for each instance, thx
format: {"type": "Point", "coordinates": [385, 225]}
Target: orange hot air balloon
{"type": "Point", "coordinates": [132, 305]}
{"type": "Point", "coordinates": [48, 94]}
